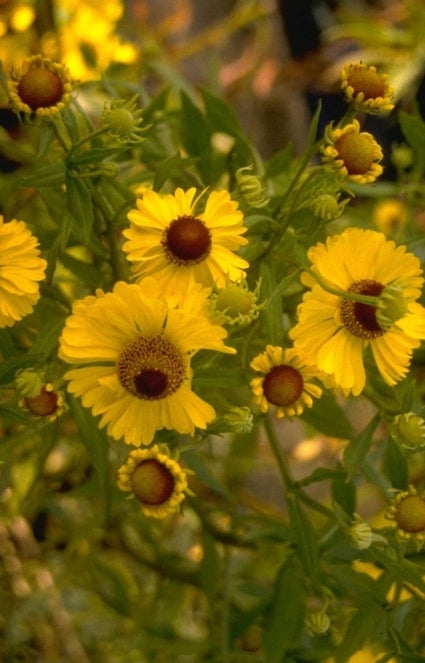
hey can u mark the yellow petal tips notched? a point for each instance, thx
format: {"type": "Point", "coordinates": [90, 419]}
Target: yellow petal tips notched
{"type": "Point", "coordinates": [21, 270]}
{"type": "Point", "coordinates": [171, 239]}
{"type": "Point", "coordinates": [286, 383]}
{"type": "Point", "coordinates": [133, 348]}
{"type": "Point", "coordinates": [333, 330]}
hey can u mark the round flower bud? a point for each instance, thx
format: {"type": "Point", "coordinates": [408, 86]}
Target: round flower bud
{"type": "Point", "coordinates": [239, 419]}
{"type": "Point", "coordinates": [407, 509]}
{"type": "Point", "coordinates": [122, 120]}
{"type": "Point", "coordinates": [251, 187]}
{"type": "Point", "coordinates": [28, 382]}
{"type": "Point", "coordinates": [361, 535]}
{"type": "Point", "coordinates": [408, 430]}
{"type": "Point", "coordinates": [392, 305]}
{"type": "Point", "coordinates": [326, 207]}
{"type": "Point", "coordinates": [402, 156]}
{"type": "Point", "coordinates": [317, 622]}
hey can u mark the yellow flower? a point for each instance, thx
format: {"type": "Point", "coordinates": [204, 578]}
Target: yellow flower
{"type": "Point", "coordinates": [155, 479]}
{"type": "Point", "coordinates": [390, 216]}
{"type": "Point", "coordinates": [168, 239]}
{"type": "Point", "coordinates": [407, 509]}
{"type": "Point", "coordinates": [20, 270]}
{"type": "Point", "coordinates": [285, 383]}
{"type": "Point", "coordinates": [354, 153]}
{"type": "Point", "coordinates": [135, 348]}
{"type": "Point", "coordinates": [366, 88]}
{"type": "Point", "coordinates": [41, 86]}
{"type": "Point", "coordinates": [334, 330]}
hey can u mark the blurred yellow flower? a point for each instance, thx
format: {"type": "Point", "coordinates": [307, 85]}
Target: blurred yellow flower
{"type": "Point", "coordinates": [390, 216]}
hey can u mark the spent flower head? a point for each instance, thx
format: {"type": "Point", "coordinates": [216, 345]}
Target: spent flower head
{"type": "Point", "coordinates": [40, 87]}
{"type": "Point", "coordinates": [157, 481]}
{"type": "Point", "coordinates": [407, 510]}
{"type": "Point", "coordinates": [408, 430]}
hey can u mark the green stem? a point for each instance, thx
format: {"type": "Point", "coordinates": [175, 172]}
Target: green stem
{"type": "Point", "coordinates": [343, 294]}
{"type": "Point", "coordinates": [108, 214]}
{"type": "Point", "coordinates": [280, 457]}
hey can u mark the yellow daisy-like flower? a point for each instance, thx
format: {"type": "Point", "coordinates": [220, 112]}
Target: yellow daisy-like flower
{"type": "Point", "coordinates": [40, 86]}
{"type": "Point", "coordinates": [334, 330]}
{"type": "Point", "coordinates": [168, 239]}
{"type": "Point", "coordinates": [366, 88]}
{"type": "Point", "coordinates": [155, 479]}
{"type": "Point", "coordinates": [21, 268]}
{"type": "Point", "coordinates": [354, 153]}
{"type": "Point", "coordinates": [286, 382]}
{"type": "Point", "coordinates": [407, 509]}
{"type": "Point", "coordinates": [135, 347]}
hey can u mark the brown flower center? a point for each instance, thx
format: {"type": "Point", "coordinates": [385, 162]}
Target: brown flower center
{"type": "Point", "coordinates": [40, 88]}
{"type": "Point", "coordinates": [367, 81]}
{"type": "Point", "coordinates": [152, 482]}
{"type": "Point", "coordinates": [410, 514]}
{"type": "Point", "coordinates": [151, 368]}
{"type": "Point", "coordinates": [44, 404]}
{"type": "Point", "coordinates": [187, 241]}
{"type": "Point", "coordinates": [360, 319]}
{"type": "Point", "coordinates": [283, 385]}
{"type": "Point", "coordinates": [356, 151]}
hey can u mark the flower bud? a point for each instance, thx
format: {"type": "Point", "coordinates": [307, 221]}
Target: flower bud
{"type": "Point", "coordinates": [392, 305]}
{"type": "Point", "coordinates": [251, 187]}
{"type": "Point", "coordinates": [408, 430]}
{"type": "Point", "coordinates": [28, 382]}
{"type": "Point", "coordinates": [317, 622]}
{"type": "Point", "coordinates": [239, 419]}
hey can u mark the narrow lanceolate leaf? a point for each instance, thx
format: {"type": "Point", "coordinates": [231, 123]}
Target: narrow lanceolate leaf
{"type": "Point", "coordinates": [305, 540]}
{"type": "Point", "coordinates": [285, 618]}
{"type": "Point", "coordinates": [358, 448]}
{"type": "Point", "coordinates": [93, 439]}
{"type": "Point", "coordinates": [80, 205]}
{"type": "Point", "coordinates": [364, 625]}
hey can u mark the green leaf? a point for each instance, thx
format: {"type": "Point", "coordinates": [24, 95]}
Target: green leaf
{"type": "Point", "coordinates": [395, 465]}
{"type": "Point", "coordinates": [305, 540]}
{"type": "Point", "coordinates": [413, 128]}
{"type": "Point", "coordinates": [93, 439]}
{"type": "Point", "coordinates": [196, 136]}
{"type": "Point", "coordinates": [9, 367]}
{"type": "Point", "coordinates": [344, 493]}
{"type": "Point", "coordinates": [363, 626]}
{"type": "Point", "coordinates": [356, 450]}
{"type": "Point", "coordinates": [166, 169]}
{"type": "Point", "coordinates": [80, 205]}
{"type": "Point", "coordinates": [285, 617]}
{"type": "Point", "coordinates": [204, 474]}
{"type": "Point", "coordinates": [46, 176]}
{"type": "Point", "coordinates": [328, 417]}
{"type": "Point", "coordinates": [94, 156]}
